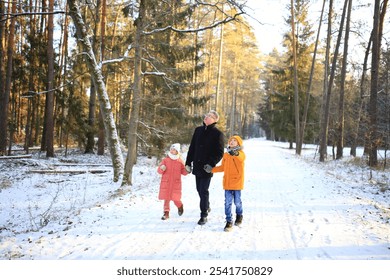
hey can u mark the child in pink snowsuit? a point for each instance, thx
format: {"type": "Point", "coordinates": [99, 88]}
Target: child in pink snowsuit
{"type": "Point", "coordinates": [171, 168]}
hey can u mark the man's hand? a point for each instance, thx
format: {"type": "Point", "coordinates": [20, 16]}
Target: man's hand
{"type": "Point", "coordinates": [207, 168]}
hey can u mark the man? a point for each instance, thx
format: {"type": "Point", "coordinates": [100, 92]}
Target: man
{"type": "Point", "coordinates": [205, 151]}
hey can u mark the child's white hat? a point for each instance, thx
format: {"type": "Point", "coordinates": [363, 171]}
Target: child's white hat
{"type": "Point", "coordinates": [176, 146]}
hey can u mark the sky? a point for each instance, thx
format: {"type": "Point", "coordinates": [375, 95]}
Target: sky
{"type": "Point", "coordinates": [267, 20]}
{"type": "Point", "coordinates": [271, 14]}
{"type": "Point", "coordinates": [295, 209]}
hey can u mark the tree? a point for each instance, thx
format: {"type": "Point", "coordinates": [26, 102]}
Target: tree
{"type": "Point", "coordinates": [296, 91]}
{"type": "Point", "coordinates": [288, 87]}
{"type": "Point", "coordinates": [133, 124]}
{"type": "Point", "coordinates": [139, 43]}
{"type": "Point", "coordinates": [328, 93]}
{"type": "Point", "coordinates": [95, 70]}
{"type": "Point", "coordinates": [310, 83]}
{"type": "Point", "coordinates": [48, 146]}
{"type": "Point", "coordinates": [340, 130]}
{"type": "Point", "coordinates": [3, 105]}
{"type": "Point", "coordinates": [6, 91]}
{"type": "Point", "coordinates": [377, 32]}
{"type": "Point", "coordinates": [90, 133]}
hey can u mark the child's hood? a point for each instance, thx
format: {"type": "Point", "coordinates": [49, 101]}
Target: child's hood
{"type": "Point", "coordinates": [238, 138]}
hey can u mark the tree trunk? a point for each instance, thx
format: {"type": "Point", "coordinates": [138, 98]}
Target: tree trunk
{"type": "Point", "coordinates": [375, 56]}
{"type": "Point", "coordinates": [89, 148]}
{"type": "Point", "coordinates": [219, 74]}
{"type": "Point", "coordinates": [49, 108]}
{"type": "Point", "coordinates": [3, 110]}
{"type": "Point", "coordinates": [307, 100]}
{"type": "Point", "coordinates": [340, 128]}
{"type": "Point", "coordinates": [326, 106]}
{"type": "Point", "coordinates": [296, 91]}
{"type": "Point", "coordinates": [2, 32]}
{"type": "Point", "coordinates": [5, 96]}
{"type": "Point", "coordinates": [134, 113]}
{"type": "Point", "coordinates": [322, 150]}
{"type": "Point", "coordinates": [101, 135]}
{"type": "Point", "coordinates": [362, 101]}
{"type": "Point", "coordinates": [95, 70]}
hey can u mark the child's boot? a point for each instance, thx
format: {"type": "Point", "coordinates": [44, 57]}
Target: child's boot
{"type": "Point", "coordinates": [228, 227]}
{"type": "Point", "coordinates": [238, 220]}
{"type": "Point", "coordinates": [180, 210]}
{"type": "Point", "coordinates": [165, 216]}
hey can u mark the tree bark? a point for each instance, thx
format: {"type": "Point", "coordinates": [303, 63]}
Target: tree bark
{"type": "Point", "coordinates": [219, 74]}
{"type": "Point", "coordinates": [307, 100]}
{"type": "Point", "coordinates": [5, 96]}
{"type": "Point", "coordinates": [296, 90]}
{"type": "Point", "coordinates": [340, 128]}
{"type": "Point", "coordinates": [49, 108]}
{"type": "Point", "coordinates": [375, 57]}
{"type": "Point", "coordinates": [362, 101]}
{"type": "Point", "coordinates": [89, 148]}
{"type": "Point", "coordinates": [323, 129]}
{"type": "Point", "coordinates": [134, 113]}
{"type": "Point", "coordinates": [101, 134]}
{"type": "Point", "coordinates": [3, 112]}
{"type": "Point", "coordinates": [326, 106]}
{"type": "Point", "coordinates": [105, 106]}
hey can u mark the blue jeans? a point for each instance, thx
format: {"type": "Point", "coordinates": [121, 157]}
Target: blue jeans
{"type": "Point", "coordinates": [229, 197]}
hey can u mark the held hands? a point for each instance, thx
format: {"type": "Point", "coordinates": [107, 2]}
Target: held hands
{"type": "Point", "coordinates": [207, 168]}
{"type": "Point", "coordinates": [188, 168]}
{"type": "Point", "coordinates": [233, 151]}
{"type": "Point", "coordinates": [163, 167]}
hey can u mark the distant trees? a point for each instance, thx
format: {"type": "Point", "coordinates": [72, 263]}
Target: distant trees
{"type": "Point", "coordinates": [152, 64]}
{"type": "Point", "coordinates": [284, 96]}
{"type": "Point", "coordinates": [340, 111]}
{"type": "Point", "coordinates": [163, 64]}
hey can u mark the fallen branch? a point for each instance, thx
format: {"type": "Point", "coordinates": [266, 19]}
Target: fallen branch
{"type": "Point", "coordinates": [15, 157]}
{"type": "Point", "coordinates": [82, 164]}
{"type": "Point", "coordinates": [93, 171]}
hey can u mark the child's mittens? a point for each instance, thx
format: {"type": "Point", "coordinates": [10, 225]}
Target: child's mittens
{"type": "Point", "coordinates": [163, 167]}
{"type": "Point", "coordinates": [207, 168]}
{"type": "Point", "coordinates": [233, 153]}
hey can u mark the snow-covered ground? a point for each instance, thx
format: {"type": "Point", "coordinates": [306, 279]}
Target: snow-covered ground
{"type": "Point", "coordinates": [295, 208]}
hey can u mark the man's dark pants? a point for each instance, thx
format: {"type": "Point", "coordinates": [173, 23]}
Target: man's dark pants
{"type": "Point", "coordinates": [202, 186]}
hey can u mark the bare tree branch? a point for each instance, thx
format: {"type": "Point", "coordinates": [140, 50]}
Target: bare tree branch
{"type": "Point", "coordinates": [193, 30]}
{"type": "Point", "coordinates": [10, 16]}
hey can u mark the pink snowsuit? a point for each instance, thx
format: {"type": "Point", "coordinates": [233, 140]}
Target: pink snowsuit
{"type": "Point", "coordinates": [170, 186]}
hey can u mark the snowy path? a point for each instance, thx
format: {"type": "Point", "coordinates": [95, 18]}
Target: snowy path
{"type": "Point", "coordinates": [303, 216]}
{"type": "Point", "coordinates": [292, 210]}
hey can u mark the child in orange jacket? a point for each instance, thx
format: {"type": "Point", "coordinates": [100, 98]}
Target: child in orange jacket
{"type": "Point", "coordinates": [233, 179]}
{"type": "Point", "coordinates": [171, 168]}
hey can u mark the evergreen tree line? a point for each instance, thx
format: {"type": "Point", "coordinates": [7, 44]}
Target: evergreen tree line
{"type": "Point", "coordinates": [182, 42]}
{"type": "Point", "coordinates": [141, 74]}
{"type": "Point", "coordinates": [340, 101]}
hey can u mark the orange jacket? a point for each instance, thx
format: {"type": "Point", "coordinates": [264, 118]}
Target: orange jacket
{"type": "Point", "coordinates": [233, 168]}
